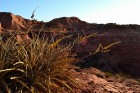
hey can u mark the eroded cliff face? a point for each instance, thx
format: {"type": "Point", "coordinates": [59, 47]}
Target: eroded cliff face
{"type": "Point", "coordinates": [11, 22]}
{"type": "Point", "coordinates": [67, 24]}
{"type": "Point", "coordinates": [123, 56]}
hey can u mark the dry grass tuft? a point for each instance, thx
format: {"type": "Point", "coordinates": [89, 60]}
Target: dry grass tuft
{"type": "Point", "coordinates": [35, 67]}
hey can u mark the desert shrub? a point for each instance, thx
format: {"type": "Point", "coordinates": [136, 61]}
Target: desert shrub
{"type": "Point", "coordinates": [36, 66]}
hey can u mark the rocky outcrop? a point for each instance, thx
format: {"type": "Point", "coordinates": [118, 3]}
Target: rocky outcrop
{"type": "Point", "coordinates": [67, 24]}
{"type": "Point", "coordinates": [93, 83]}
{"type": "Point", "coordinates": [0, 27]}
{"type": "Point", "coordinates": [68, 21]}
{"type": "Point", "coordinates": [10, 21]}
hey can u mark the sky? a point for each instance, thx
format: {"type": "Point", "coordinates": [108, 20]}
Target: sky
{"type": "Point", "coordinates": [92, 11]}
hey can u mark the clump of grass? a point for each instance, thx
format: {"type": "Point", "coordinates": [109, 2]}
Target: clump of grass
{"type": "Point", "coordinates": [107, 75]}
{"type": "Point", "coordinates": [39, 66]}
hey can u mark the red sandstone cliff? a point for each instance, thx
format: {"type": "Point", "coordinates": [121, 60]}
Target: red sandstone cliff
{"type": "Point", "coordinates": [10, 21]}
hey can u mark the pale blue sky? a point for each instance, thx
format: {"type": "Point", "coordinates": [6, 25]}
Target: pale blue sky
{"type": "Point", "coordinates": [93, 11]}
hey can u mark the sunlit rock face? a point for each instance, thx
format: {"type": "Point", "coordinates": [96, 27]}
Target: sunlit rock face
{"type": "Point", "coordinates": [10, 21]}
{"type": "Point", "coordinates": [67, 24]}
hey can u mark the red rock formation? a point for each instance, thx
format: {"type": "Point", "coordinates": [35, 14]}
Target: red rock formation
{"type": "Point", "coordinates": [66, 24]}
{"type": "Point", "coordinates": [90, 81]}
{"type": "Point", "coordinates": [10, 21]}
{"type": "Point", "coordinates": [68, 21]}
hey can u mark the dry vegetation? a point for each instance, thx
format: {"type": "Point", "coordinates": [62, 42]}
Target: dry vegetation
{"type": "Point", "coordinates": [36, 66]}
